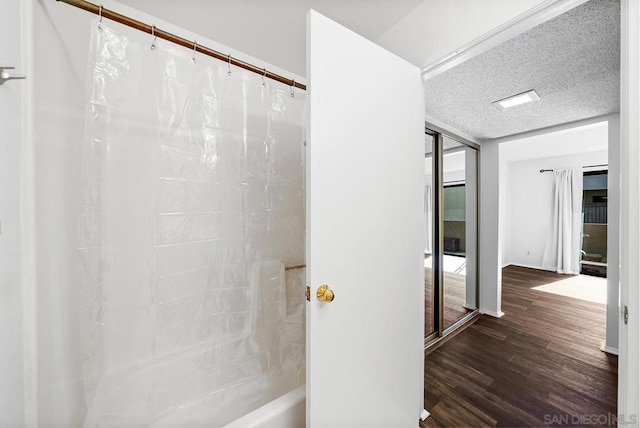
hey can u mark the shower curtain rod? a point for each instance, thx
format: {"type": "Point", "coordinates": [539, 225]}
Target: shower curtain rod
{"type": "Point", "coordinates": [585, 166]}
{"type": "Point", "coordinates": [190, 44]}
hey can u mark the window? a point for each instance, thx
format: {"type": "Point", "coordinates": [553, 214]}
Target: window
{"type": "Point", "coordinates": [594, 224]}
{"type": "Point", "coordinates": [454, 197]}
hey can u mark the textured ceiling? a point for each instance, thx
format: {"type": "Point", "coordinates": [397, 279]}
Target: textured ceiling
{"type": "Point", "coordinates": [571, 61]}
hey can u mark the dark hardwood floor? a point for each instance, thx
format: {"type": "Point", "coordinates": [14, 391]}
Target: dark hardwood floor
{"type": "Point", "coordinates": [539, 365]}
{"type": "Point", "coordinates": [454, 298]}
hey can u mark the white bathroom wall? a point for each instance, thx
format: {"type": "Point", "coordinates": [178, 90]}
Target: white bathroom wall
{"type": "Point", "coordinates": [60, 51]}
{"type": "Point", "coordinates": [11, 154]}
{"type": "Point", "coordinates": [61, 41]}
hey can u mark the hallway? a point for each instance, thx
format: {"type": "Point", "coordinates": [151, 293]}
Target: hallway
{"type": "Point", "coordinates": [539, 365]}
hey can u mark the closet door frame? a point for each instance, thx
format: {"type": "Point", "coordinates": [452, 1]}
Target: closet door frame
{"type": "Point", "coordinates": [439, 332]}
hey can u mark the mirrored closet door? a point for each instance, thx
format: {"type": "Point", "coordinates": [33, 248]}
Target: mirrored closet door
{"type": "Point", "coordinates": [451, 217]}
{"type": "Point", "coordinates": [429, 324]}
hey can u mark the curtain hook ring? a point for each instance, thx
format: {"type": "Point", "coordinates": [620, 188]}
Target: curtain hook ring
{"type": "Point", "coordinates": [264, 75]}
{"type": "Point", "coordinates": [229, 65]}
{"type": "Point", "coordinates": [195, 49]}
{"type": "Point", "coordinates": [100, 16]}
{"type": "Point", "coordinates": [153, 34]}
{"type": "Point", "coordinates": [293, 84]}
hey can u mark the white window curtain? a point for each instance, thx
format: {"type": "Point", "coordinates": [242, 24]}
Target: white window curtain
{"type": "Point", "coordinates": [428, 219]}
{"type": "Point", "coordinates": [562, 252]}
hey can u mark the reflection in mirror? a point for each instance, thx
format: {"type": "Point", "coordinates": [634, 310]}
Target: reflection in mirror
{"type": "Point", "coordinates": [451, 231]}
{"type": "Point", "coordinates": [459, 202]}
{"type": "Point", "coordinates": [428, 250]}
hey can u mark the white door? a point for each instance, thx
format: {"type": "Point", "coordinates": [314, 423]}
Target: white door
{"type": "Point", "coordinates": [365, 184]}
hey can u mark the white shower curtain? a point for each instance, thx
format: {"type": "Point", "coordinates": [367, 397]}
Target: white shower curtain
{"type": "Point", "coordinates": [428, 219]}
{"type": "Point", "coordinates": [562, 251]}
{"type": "Point", "coordinates": [193, 204]}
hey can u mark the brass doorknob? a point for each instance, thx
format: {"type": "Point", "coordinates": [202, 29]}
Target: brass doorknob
{"type": "Point", "coordinates": [325, 294]}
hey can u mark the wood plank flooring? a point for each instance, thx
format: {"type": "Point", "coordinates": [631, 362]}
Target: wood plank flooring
{"type": "Point", "coordinates": [454, 298]}
{"type": "Point", "coordinates": [539, 365]}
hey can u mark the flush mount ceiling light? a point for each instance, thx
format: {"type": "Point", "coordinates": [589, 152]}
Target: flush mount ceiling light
{"type": "Point", "coordinates": [516, 100]}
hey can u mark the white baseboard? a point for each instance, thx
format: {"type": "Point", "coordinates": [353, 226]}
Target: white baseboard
{"type": "Point", "coordinates": [530, 267]}
{"type": "Point", "coordinates": [493, 314]}
{"type": "Point", "coordinates": [609, 350]}
{"type": "Point", "coordinates": [471, 308]}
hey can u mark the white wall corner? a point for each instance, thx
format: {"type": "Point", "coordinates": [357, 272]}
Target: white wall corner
{"type": "Point", "coordinates": [490, 246]}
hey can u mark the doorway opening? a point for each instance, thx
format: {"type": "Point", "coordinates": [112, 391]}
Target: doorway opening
{"type": "Point", "coordinates": [526, 196]}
